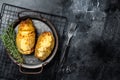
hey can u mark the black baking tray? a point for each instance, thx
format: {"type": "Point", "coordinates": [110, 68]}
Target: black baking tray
{"type": "Point", "coordinates": [8, 69]}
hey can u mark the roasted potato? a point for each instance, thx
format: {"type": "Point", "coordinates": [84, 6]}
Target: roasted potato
{"type": "Point", "coordinates": [25, 39]}
{"type": "Point", "coordinates": [44, 46]}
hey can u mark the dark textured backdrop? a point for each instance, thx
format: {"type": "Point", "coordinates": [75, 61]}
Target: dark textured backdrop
{"type": "Point", "coordinates": [94, 52]}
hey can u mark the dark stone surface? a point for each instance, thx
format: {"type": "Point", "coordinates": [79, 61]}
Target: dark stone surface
{"type": "Point", "coordinates": [95, 47]}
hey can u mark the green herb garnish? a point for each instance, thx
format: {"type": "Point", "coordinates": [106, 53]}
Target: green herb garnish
{"type": "Point", "coordinates": [8, 39]}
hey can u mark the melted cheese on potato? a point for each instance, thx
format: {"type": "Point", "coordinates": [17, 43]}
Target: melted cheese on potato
{"type": "Point", "coordinates": [25, 39]}
{"type": "Point", "coordinates": [44, 46]}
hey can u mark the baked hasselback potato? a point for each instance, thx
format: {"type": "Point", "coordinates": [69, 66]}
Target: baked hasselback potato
{"type": "Point", "coordinates": [25, 39]}
{"type": "Point", "coordinates": [44, 46]}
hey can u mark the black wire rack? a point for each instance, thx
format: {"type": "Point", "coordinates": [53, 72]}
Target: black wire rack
{"type": "Point", "coordinates": [9, 13]}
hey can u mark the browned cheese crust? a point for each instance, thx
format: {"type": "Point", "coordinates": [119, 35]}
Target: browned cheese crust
{"type": "Point", "coordinates": [25, 39]}
{"type": "Point", "coordinates": [45, 45]}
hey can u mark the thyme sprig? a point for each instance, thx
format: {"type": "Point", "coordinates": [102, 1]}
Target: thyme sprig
{"type": "Point", "coordinates": [8, 39]}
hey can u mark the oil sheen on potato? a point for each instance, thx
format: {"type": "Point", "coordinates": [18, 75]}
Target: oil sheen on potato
{"type": "Point", "coordinates": [44, 46]}
{"type": "Point", "coordinates": [25, 39]}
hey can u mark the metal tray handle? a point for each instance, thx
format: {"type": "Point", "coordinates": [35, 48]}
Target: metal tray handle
{"type": "Point", "coordinates": [35, 14]}
{"type": "Point", "coordinates": [30, 72]}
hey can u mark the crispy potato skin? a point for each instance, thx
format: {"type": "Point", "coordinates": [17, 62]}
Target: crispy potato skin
{"type": "Point", "coordinates": [44, 46]}
{"type": "Point", "coordinates": [25, 39]}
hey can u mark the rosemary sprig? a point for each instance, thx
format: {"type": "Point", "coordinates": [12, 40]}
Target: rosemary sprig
{"type": "Point", "coordinates": [8, 39]}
